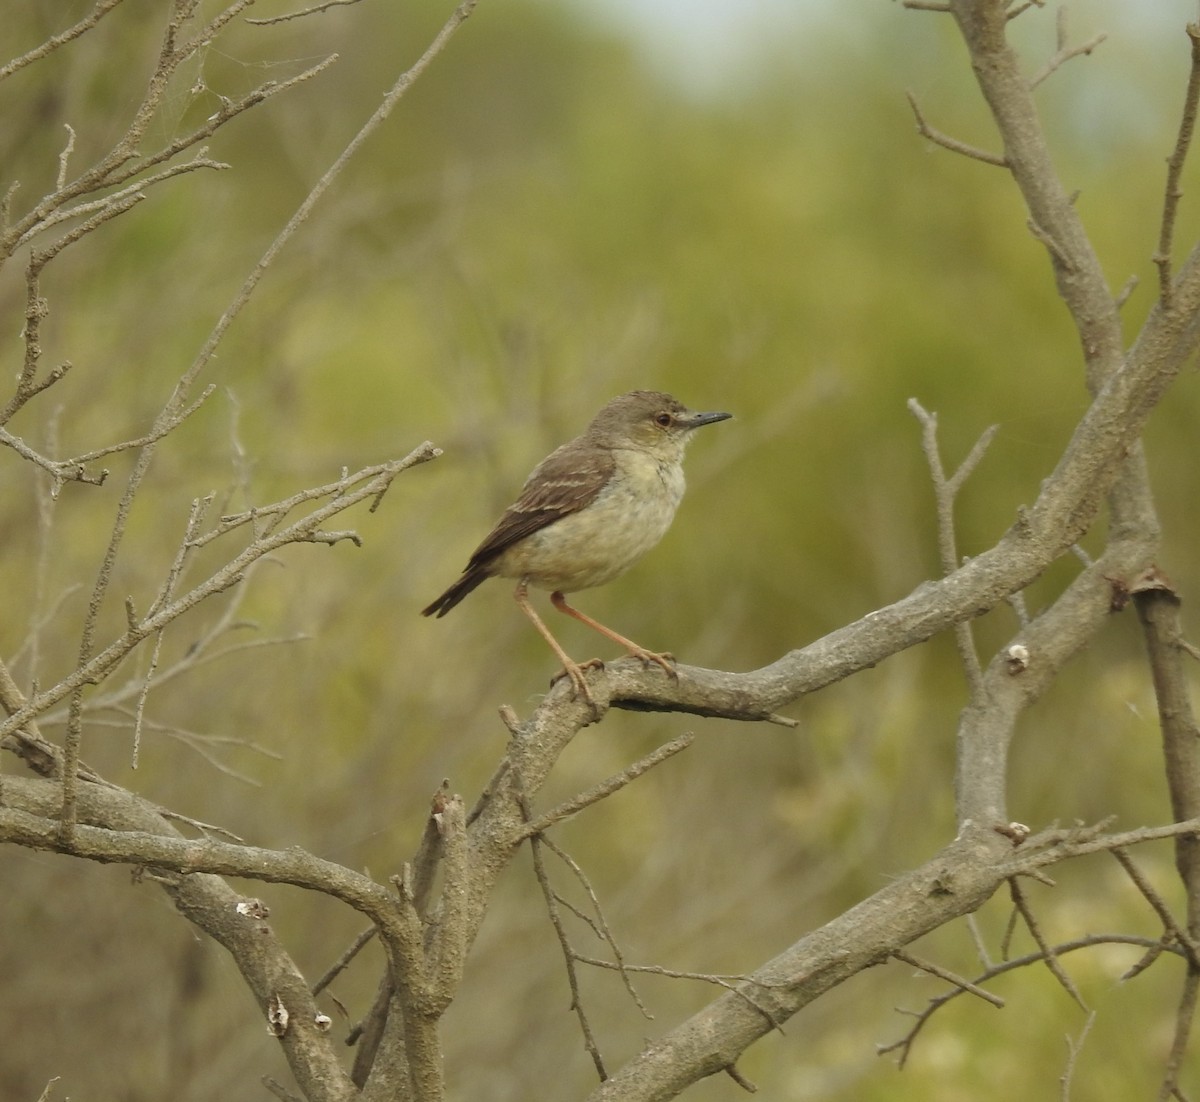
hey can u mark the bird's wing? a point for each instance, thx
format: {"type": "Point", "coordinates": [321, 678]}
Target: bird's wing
{"type": "Point", "coordinates": [566, 481]}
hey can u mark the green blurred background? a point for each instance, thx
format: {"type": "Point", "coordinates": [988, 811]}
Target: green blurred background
{"type": "Point", "coordinates": [572, 203]}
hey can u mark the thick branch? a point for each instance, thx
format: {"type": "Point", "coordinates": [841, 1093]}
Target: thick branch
{"type": "Point", "coordinates": [1077, 270]}
{"type": "Point", "coordinates": [205, 900]}
{"type": "Point", "coordinates": [174, 853]}
{"type": "Point", "coordinates": [959, 880]}
{"type": "Point", "coordinates": [1158, 610]}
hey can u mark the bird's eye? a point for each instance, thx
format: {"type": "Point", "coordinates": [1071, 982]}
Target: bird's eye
{"type": "Point", "coordinates": [663, 419]}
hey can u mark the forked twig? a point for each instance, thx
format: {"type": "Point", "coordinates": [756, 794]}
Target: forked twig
{"type": "Point", "coordinates": [1064, 52]}
{"type": "Point", "coordinates": [945, 491]}
{"type": "Point", "coordinates": [599, 923]}
{"type": "Point", "coordinates": [1074, 1047]}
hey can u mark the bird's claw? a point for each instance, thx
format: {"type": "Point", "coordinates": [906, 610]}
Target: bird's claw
{"type": "Point", "coordinates": [578, 682]}
{"type": "Point", "coordinates": [666, 660]}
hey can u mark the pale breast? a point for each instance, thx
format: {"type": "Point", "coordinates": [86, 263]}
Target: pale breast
{"type": "Point", "coordinates": [602, 541]}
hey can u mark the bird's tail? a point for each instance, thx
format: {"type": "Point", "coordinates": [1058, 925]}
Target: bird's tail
{"type": "Point", "coordinates": [471, 577]}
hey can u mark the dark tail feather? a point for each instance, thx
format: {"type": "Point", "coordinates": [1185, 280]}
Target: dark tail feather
{"type": "Point", "coordinates": [472, 576]}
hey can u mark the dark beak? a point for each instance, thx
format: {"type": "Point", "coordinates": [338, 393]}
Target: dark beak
{"type": "Point", "coordinates": [694, 420]}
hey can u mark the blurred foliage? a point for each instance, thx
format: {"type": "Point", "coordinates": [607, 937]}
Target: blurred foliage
{"type": "Point", "coordinates": [546, 222]}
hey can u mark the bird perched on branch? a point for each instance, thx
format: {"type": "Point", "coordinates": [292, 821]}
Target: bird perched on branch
{"type": "Point", "coordinates": [587, 513]}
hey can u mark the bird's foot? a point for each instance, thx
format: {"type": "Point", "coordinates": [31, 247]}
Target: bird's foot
{"type": "Point", "coordinates": [666, 660]}
{"type": "Point", "coordinates": [574, 670]}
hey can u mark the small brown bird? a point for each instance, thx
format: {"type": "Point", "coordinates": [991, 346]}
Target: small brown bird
{"type": "Point", "coordinates": [588, 512]}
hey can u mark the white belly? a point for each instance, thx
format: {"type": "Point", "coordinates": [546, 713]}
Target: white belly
{"type": "Point", "coordinates": [605, 539]}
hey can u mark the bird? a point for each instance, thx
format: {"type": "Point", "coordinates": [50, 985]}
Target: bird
{"type": "Point", "coordinates": [590, 510]}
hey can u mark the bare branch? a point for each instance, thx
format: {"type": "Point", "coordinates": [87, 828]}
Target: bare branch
{"type": "Point", "coordinates": [344, 960]}
{"type": "Point", "coordinates": [949, 977]}
{"type": "Point", "coordinates": [732, 1071]}
{"type": "Point", "coordinates": [59, 472]}
{"type": "Point", "coordinates": [75, 468]}
{"type": "Point", "coordinates": [1158, 611]}
{"type": "Point", "coordinates": [98, 667]}
{"type": "Point", "coordinates": [300, 14]}
{"type": "Point", "coordinates": [1156, 901]}
{"type": "Point", "coordinates": [904, 1044]}
{"type": "Point", "coordinates": [1052, 217]}
{"type": "Point", "coordinates": [447, 951]}
{"type": "Point", "coordinates": [192, 855]}
{"type": "Point", "coordinates": [947, 142]}
{"type": "Point", "coordinates": [101, 9]}
{"type": "Point", "coordinates": [1019, 8]}
{"type": "Point", "coordinates": [279, 1090]}
{"type": "Point", "coordinates": [1173, 192]}
{"type": "Point", "coordinates": [945, 490]}
{"type": "Point", "coordinates": [1074, 1047]}
{"type": "Point", "coordinates": [605, 788]}
{"type": "Point", "coordinates": [589, 1038]}
{"type": "Point", "coordinates": [1064, 52]}
{"type": "Point", "coordinates": [1184, 1016]}
{"type": "Point", "coordinates": [135, 191]}
{"type": "Point", "coordinates": [65, 156]}
{"type": "Point", "coordinates": [1123, 295]}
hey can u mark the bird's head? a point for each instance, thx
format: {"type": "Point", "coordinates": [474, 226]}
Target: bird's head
{"type": "Point", "coordinates": [649, 421]}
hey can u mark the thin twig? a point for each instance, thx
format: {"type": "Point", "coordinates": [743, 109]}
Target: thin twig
{"type": "Point", "coordinates": [600, 925]}
{"type": "Point", "coordinates": [735, 984]}
{"type": "Point", "coordinates": [945, 490]}
{"type": "Point", "coordinates": [1074, 1047]}
{"type": "Point", "coordinates": [953, 144]}
{"type": "Point", "coordinates": [64, 158]}
{"type": "Point", "coordinates": [950, 977]}
{"type": "Point", "coordinates": [300, 14]}
{"type": "Point", "coordinates": [1022, 7]}
{"type": "Point", "coordinates": [1124, 293]}
{"type": "Point", "coordinates": [1146, 959]}
{"type": "Point", "coordinates": [139, 714]}
{"type": "Point", "coordinates": [1064, 53]}
{"type": "Point", "coordinates": [606, 787]}
{"type": "Point", "coordinates": [102, 8]}
{"type": "Point", "coordinates": [1156, 901]}
{"type": "Point", "coordinates": [1173, 193]}
{"type": "Point", "coordinates": [1184, 1016]}
{"type": "Point", "coordinates": [732, 1071]}
{"type": "Point", "coordinates": [904, 1044]}
{"type": "Point", "coordinates": [225, 577]}
{"type": "Point", "coordinates": [341, 963]}
{"type": "Point", "coordinates": [1048, 954]}
{"type": "Point", "coordinates": [265, 518]}
{"type": "Point", "coordinates": [539, 869]}
{"type": "Point", "coordinates": [279, 1090]}
{"type": "Point", "coordinates": [980, 947]}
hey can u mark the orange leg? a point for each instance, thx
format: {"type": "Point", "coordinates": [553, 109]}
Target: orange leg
{"type": "Point", "coordinates": [572, 669]}
{"type": "Point", "coordinates": [647, 656]}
